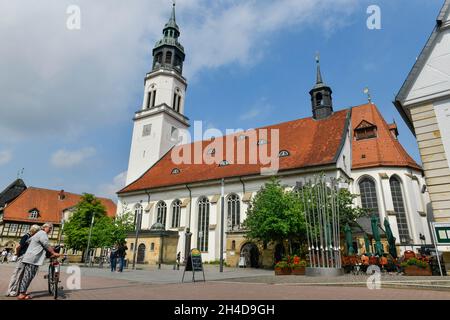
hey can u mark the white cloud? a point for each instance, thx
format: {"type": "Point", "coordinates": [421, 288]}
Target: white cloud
{"type": "Point", "coordinates": [5, 156]}
{"type": "Point", "coordinates": [66, 159]}
{"type": "Point", "coordinates": [109, 190]}
{"type": "Point", "coordinates": [63, 82]}
{"type": "Point", "coordinates": [260, 110]}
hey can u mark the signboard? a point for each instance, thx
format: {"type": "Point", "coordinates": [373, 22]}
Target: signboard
{"type": "Point", "coordinates": [442, 231]}
{"type": "Point", "coordinates": [194, 264]}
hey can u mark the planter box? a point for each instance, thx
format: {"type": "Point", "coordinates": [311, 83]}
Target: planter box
{"type": "Point", "coordinates": [282, 272]}
{"type": "Point", "coordinates": [417, 271]}
{"type": "Point", "coordinates": [299, 272]}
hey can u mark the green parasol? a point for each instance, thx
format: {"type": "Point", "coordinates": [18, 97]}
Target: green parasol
{"type": "Point", "coordinates": [390, 238]}
{"type": "Point", "coordinates": [367, 244]}
{"type": "Point", "coordinates": [349, 240]}
{"type": "Point", "coordinates": [376, 235]}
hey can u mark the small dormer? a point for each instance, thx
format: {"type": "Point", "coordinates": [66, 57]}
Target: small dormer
{"type": "Point", "coordinates": [33, 214]}
{"type": "Point", "coordinates": [365, 130]}
{"type": "Point", "coordinates": [394, 130]}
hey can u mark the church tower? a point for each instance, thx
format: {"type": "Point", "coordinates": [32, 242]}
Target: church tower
{"type": "Point", "coordinates": [321, 100]}
{"type": "Point", "coordinates": [161, 115]}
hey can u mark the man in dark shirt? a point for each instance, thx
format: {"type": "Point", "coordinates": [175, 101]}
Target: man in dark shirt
{"type": "Point", "coordinates": [18, 271]}
{"type": "Point", "coordinates": [121, 253]}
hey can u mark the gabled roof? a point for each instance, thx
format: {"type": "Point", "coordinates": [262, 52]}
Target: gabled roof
{"type": "Point", "coordinates": [309, 143]}
{"type": "Point", "coordinates": [419, 64]}
{"type": "Point", "coordinates": [384, 150]}
{"type": "Point", "coordinates": [12, 191]}
{"type": "Point", "coordinates": [49, 205]}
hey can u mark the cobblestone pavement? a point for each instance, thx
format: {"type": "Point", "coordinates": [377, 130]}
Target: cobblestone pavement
{"type": "Point", "coordinates": [233, 284]}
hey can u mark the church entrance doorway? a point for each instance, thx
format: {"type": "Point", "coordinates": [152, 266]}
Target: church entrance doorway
{"type": "Point", "coordinates": [250, 253]}
{"type": "Point", "coordinates": [141, 253]}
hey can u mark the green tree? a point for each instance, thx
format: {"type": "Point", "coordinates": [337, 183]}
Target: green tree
{"type": "Point", "coordinates": [275, 215]}
{"type": "Point", "coordinates": [105, 231]}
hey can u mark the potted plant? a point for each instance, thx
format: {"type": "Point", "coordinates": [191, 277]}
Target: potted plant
{"type": "Point", "coordinates": [298, 269]}
{"type": "Point", "coordinates": [282, 268]}
{"type": "Point", "coordinates": [416, 267]}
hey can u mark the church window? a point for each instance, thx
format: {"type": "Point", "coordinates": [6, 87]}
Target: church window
{"type": "Point", "coordinates": [175, 101]}
{"type": "Point", "coordinates": [168, 57]}
{"type": "Point", "coordinates": [152, 246]}
{"type": "Point", "coordinates": [153, 98]}
{"type": "Point", "coordinates": [283, 153]}
{"type": "Point", "coordinates": [176, 171]}
{"type": "Point", "coordinates": [234, 211]}
{"type": "Point", "coordinates": [176, 213]}
{"type": "Point", "coordinates": [147, 130]}
{"type": "Point", "coordinates": [178, 104]}
{"type": "Point", "coordinates": [223, 163]}
{"type": "Point", "coordinates": [33, 214]}
{"type": "Point", "coordinates": [158, 58]}
{"type": "Point", "coordinates": [233, 245]}
{"type": "Point", "coordinates": [203, 224]}
{"type": "Point", "coordinates": [399, 209]}
{"type": "Point", "coordinates": [319, 99]}
{"type": "Point", "coordinates": [161, 209]}
{"type": "Point", "coordinates": [149, 99]}
{"type": "Point", "coordinates": [368, 195]}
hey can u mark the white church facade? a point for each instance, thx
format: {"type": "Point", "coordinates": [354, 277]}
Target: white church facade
{"type": "Point", "coordinates": [354, 144]}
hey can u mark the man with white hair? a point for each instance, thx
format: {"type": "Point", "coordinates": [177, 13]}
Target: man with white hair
{"type": "Point", "coordinates": [13, 287]}
{"type": "Point", "coordinates": [34, 257]}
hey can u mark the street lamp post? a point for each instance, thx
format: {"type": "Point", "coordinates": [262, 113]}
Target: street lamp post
{"type": "Point", "coordinates": [138, 227]}
{"type": "Point", "coordinates": [222, 205]}
{"type": "Point", "coordinates": [89, 240]}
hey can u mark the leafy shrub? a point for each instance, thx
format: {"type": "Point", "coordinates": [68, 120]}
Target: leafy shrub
{"type": "Point", "coordinates": [414, 262]}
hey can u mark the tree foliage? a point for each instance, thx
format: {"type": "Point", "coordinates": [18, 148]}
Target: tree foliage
{"type": "Point", "coordinates": [105, 231]}
{"type": "Point", "coordinates": [275, 214]}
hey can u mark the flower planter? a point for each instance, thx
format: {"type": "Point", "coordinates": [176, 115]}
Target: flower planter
{"type": "Point", "coordinates": [299, 271]}
{"type": "Point", "coordinates": [282, 271]}
{"type": "Point", "coordinates": [417, 271]}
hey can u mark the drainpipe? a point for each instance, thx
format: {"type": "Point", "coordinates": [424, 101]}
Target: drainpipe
{"type": "Point", "coordinates": [243, 186]}
{"type": "Point", "coordinates": [190, 206]}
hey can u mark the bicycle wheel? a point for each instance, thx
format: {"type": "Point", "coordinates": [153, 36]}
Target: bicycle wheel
{"type": "Point", "coordinates": [50, 278]}
{"type": "Point", "coordinates": [55, 286]}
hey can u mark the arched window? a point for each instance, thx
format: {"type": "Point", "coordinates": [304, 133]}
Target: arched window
{"type": "Point", "coordinates": [176, 213]}
{"type": "Point", "coordinates": [203, 224]}
{"type": "Point", "coordinates": [319, 99]}
{"type": "Point", "coordinates": [168, 57]}
{"type": "Point", "coordinates": [234, 211]}
{"type": "Point", "coordinates": [138, 215]}
{"type": "Point", "coordinates": [161, 212]}
{"type": "Point", "coordinates": [399, 209]}
{"type": "Point", "coordinates": [233, 245]}
{"type": "Point", "coordinates": [368, 195]}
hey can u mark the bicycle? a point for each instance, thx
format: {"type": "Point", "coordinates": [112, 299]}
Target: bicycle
{"type": "Point", "coordinates": [53, 274]}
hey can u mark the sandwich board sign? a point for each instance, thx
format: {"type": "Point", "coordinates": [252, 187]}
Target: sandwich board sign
{"type": "Point", "coordinates": [194, 264]}
{"type": "Point", "coordinates": [442, 231]}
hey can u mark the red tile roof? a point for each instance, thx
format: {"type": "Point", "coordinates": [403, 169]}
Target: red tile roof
{"type": "Point", "coordinates": [48, 204]}
{"type": "Point", "coordinates": [384, 150]}
{"type": "Point", "coordinates": [309, 143]}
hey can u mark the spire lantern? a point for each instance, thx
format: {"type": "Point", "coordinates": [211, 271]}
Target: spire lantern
{"type": "Point", "coordinates": [321, 99]}
{"type": "Point", "coordinates": [168, 53]}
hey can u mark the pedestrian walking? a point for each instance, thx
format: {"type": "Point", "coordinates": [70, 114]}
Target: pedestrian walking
{"type": "Point", "coordinates": [34, 257]}
{"type": "Point", "coordinates": [4, 255]}
{"type": "Point", "coordinates": [16, 277]}
{"type": "Point", "coordinates": [113, 258]}
{"type": "Point", "coordinates": [121, 253]}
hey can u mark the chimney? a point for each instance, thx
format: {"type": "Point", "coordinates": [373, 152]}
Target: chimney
{"type": "Point", "coordinates": [61, 195]}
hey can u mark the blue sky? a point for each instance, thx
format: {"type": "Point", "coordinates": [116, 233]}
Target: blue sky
{"type": "Point", "coordinates": [67, 97]}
